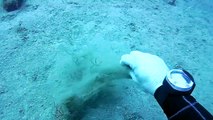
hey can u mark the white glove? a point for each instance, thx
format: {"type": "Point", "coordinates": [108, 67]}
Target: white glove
{"type": "Point", "coordinates": [146, 69]}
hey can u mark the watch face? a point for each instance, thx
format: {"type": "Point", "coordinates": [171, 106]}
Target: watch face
{"type": "Point", "coordinates": [179, 80]}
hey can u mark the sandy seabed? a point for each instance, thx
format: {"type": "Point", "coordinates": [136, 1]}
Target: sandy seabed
{"type": "Point", "coordinates": [59, 59]}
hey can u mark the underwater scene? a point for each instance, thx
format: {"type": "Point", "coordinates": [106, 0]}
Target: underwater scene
{"type": "Point", "coordinates": [61, 59]}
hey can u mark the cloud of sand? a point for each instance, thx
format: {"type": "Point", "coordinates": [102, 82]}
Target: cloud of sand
{"type": "Point", "coordinates": [82, 74]}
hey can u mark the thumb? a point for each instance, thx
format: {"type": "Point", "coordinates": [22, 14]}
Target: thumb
{"type": "Point", "coordinates": [132, 74]}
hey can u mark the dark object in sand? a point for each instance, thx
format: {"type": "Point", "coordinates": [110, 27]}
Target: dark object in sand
{"type": "Point", "coordinates": [172, 2]}
{"type": "Point", "coordinates": [12, 5]}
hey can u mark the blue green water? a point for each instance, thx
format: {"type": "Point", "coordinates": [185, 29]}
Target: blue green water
{"type": "Point", "coordinates": [59, 59]}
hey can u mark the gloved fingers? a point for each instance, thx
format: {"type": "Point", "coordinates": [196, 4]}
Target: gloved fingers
{"type": "Point", "coordinates": [131, 59]}
{"type": "Point", "coordinates": [128, 60]}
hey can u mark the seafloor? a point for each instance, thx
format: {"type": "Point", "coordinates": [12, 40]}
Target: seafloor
{"type": "Point", "coordinates": [59, 59]}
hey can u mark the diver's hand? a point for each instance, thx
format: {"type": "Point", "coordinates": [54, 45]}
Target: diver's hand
{"type": "Point", "coordinates": [146, 69]}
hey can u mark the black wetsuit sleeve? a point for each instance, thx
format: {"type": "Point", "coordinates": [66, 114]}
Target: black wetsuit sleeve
{"type": "Point", "coordinates": [177, 107]}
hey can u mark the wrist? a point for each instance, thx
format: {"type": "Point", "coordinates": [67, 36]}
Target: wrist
{"type": "Point", "coordinates": [160, 95]}
{"type": "Point", "coordinates": [155, 88]}
{"type": "Point", "coordinates": [158, 80]}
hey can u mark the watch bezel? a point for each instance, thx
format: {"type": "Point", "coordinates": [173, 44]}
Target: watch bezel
{"type": "Point", "coordinates": [175, 90]}
{"type": "Point", "coordinates": [185, 76]}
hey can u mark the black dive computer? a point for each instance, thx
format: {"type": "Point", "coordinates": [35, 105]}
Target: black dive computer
{"type": "Point", "coordinates": [176, 82]}
{"type": "Point", "coordinates": [179, 82]}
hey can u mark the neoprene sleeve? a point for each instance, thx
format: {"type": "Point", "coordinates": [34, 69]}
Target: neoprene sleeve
{"type": "Point", "coordinates": [177, 107]}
